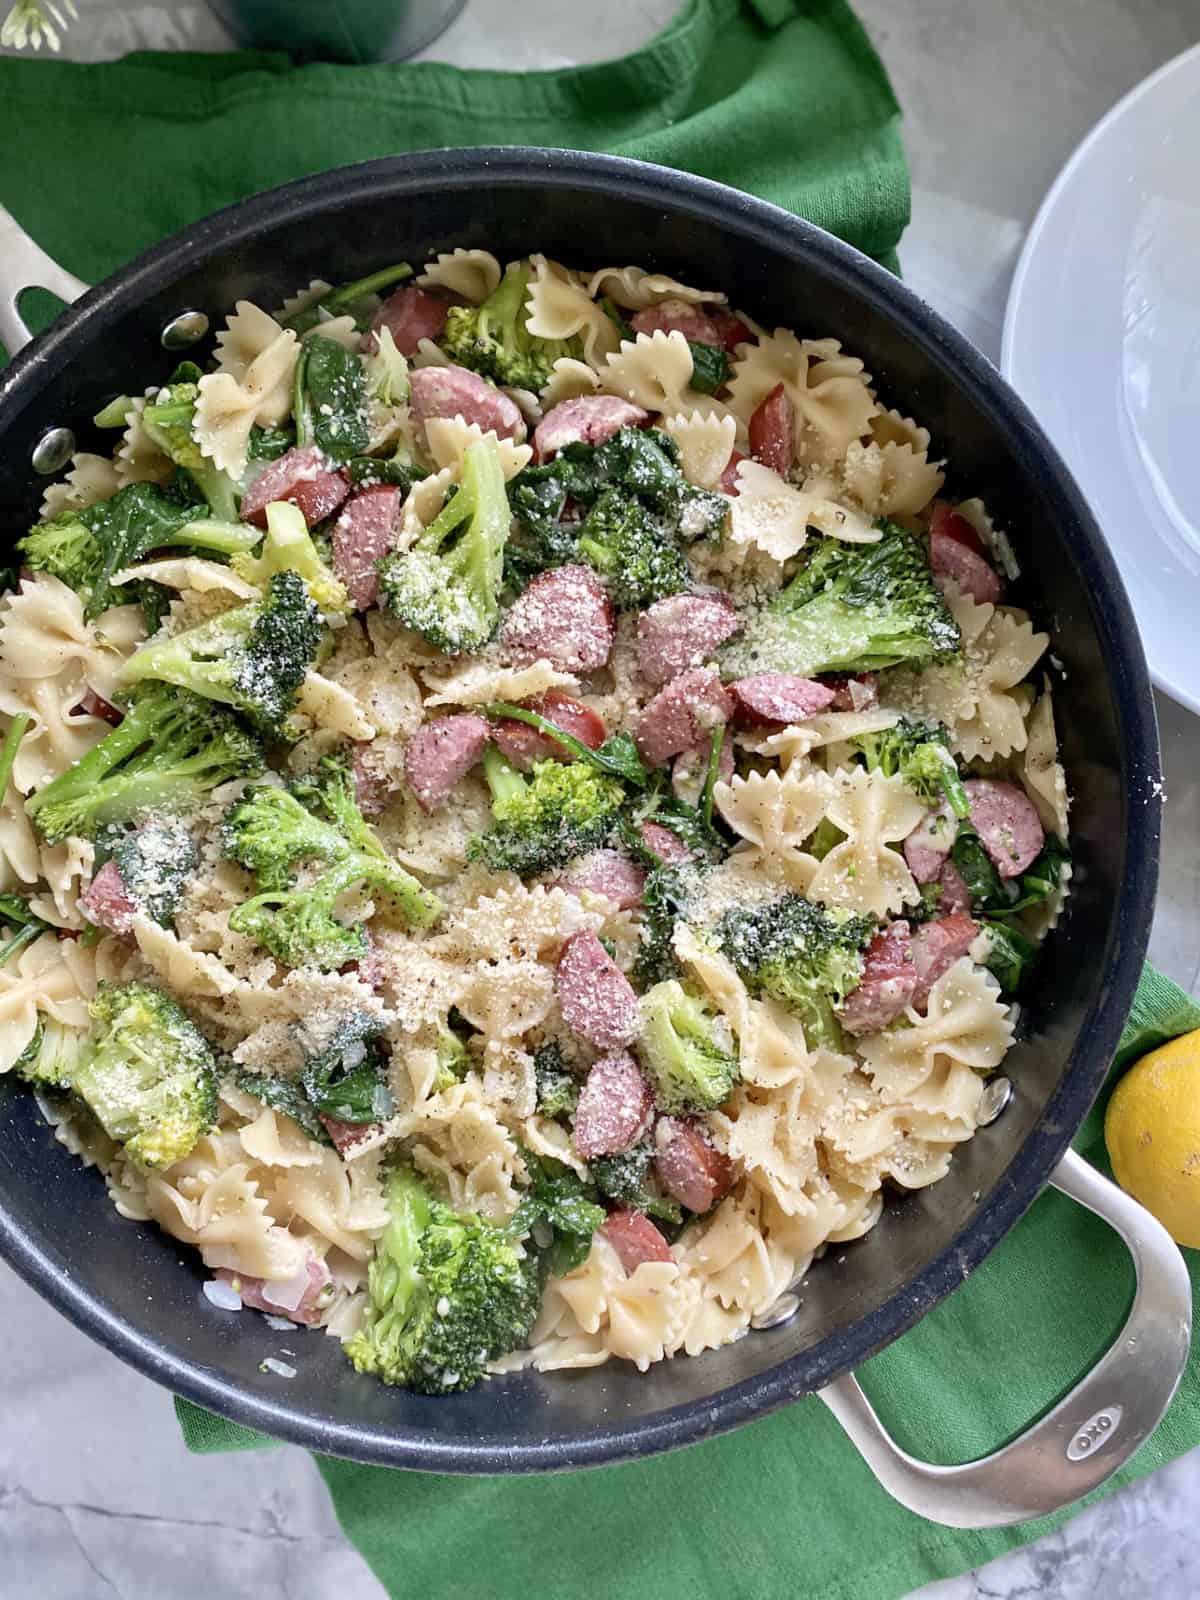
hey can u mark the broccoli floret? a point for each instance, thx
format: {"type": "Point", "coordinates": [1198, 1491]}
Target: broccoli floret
{"type": "Point", "coordinates": [492, 338]}
{"type": "Point", "coordinates": [918, 752]}
{"type": "Point", "coordinates": [271, 831]}
{"type": "Point", "coordinates": [170, 751]}
{"type": "Point", "coordinates": [850, 608]}
{"type": "Point", "coordinates": [154, 861]}
{"type": "Point", "coordinates": [447, 585]}
{"type": "Point", "coordinates": [53, 1055]}
{"type": "Point", "coordinates": [685, 1050]}
{"type": "Point", "coordinates": [626, 1178]}
{"type": "Point", "coordinates": [85, 548]}
{"type": "Point", "coordinates": [452, 1059]}
{"type": "Point", "coordinates": [665, 899]}
{"type": "Point", "coordinates": [149, 1074]}
{"type": "Point", "coordinates": [288, 547]}
{"type": "Point", "coordinates": [632, 548]}
{"type": "Point", "coordinates": [546, 819]}
{"type": "Point", "coordinates": [447, 1294]}
{"type": "Point", "coordinates": [169, 422]}
{"type": "Point", "coordinates": [557, 1087]}
{"type": "Point", "coordinates": [806, 957]}
{"type": "Point", "coordinates": [254, 657]}
{"type": "Point", "coordinates": [346, 1079]}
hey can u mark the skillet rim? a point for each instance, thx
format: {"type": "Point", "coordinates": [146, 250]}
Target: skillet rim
{"type": "Point", "coordinates": [756, 221]}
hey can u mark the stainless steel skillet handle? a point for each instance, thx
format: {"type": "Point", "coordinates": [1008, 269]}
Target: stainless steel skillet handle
{"type": "Point", "coordinates": [1093, 1430]}
{"type": "Point", "coordinates": [25, 265]}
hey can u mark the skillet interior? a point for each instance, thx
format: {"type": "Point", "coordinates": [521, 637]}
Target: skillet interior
{"type": "Point", "coordinates": [125, 1284]}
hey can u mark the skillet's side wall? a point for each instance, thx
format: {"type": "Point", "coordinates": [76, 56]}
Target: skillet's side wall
{"type": "Point", "coordinates": [866, 1293]}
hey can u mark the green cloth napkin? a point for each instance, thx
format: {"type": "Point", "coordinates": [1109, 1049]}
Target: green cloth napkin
{"type": "Point", "coordinates": [785, 1506]}
{"type": "Point", "coordinates": [787, 99]}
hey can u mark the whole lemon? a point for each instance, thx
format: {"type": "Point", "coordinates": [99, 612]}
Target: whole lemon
{"type": "Point", "coordinates": [1152, 1130]}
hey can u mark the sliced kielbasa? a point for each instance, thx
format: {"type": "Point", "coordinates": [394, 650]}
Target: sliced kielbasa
{"type": "Point", "coordinates": [888, 983]}
{"type": "Point", "coordinates": [303, 477]}
{"type": "Point", "coordinates": [773, 432]}
{"type": "Point", "coordinates": [955, 895]}
{"type": "Point", "coordinates": [956, 552]}
{"type": "Point", "coordinates": [682, 714]}
{"type": "Point", "coordinates": [609, 873]}
{"type": "Point", "coordinates": [936, 946]}
{"type": "Point", "coordinates": [635, 1239]}
{"type": "Point", "coordinates": [410, 315]}
{"type": "Point", "coordinates": [564, 617]}
{"type": "Point", "coordinates": [596, 998]}
{"type": "Point", "coordinates": [851, 692]}
{"type": "Point", "coordinates": [346, 1135]}
{"type": "Point", "coordinates": [615, 1107]}
{"type": "Point", "coordinates": [731, 329]}
{"type": "Point", "coordinates": [927, 847]}
{"type": "Point", "coordinates": [300, 1299]}
{"type": "Point", "coordinates": [679, 316]}
{"type": "Point", "coordinates": [665, 843]}
{"type": "Point", "coordinates": [779, 698]}
{"type": "Point", "coordinates": [522, 745]}
{"type": "Point", "coordinates": [682, 631]}
{"type": "Point", "coordinates": [728, 481]}
{"type": "Point", "coordinates": [92, 704]}
{"type": "Point", "coordinates": [372, 789]}
{"type": "Point", "coordinates": [441, 752]}
{"type": "Point", "coordinates": [106, 901]}
{"type": "Point", "coordinates": [362, 536]}
{"type": "Point", "coordinates": [588, 419]}
{"type": "Point", "coordinates": [456, 392]}
{"type": "Point", "coordinates": [689, 1165]}
{"type": "Point", "coordinates": [1007, 824]}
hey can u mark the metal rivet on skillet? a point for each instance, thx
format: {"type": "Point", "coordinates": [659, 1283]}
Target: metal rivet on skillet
{"type": "Point", "coordinates": [185, 329]}
{"type": "Point", "coordinates": [993, 1100]}
{"type": "Point", "coordinates": [786, 1306]}
{"type": "Point", "coordinates": [52, 451]}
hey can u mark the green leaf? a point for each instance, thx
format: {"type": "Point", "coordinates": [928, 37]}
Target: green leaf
{"type": "Point", "coordinates": [710, 367]}
{"type": "Point", "coordinates": [336, 392]}
{"type": "Point", "coordinates": [287, 1096]}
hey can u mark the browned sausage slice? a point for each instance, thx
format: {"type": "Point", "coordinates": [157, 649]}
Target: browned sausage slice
{"type": "Point", "coordinates": [596, 998]}
{"type": "Point", "coordinates": [615, 1107]}
{"type": "Point", "coordinates": [440, 753]}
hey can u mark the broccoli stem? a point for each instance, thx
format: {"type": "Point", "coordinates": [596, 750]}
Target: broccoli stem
{"type": "Point", "coordinates": [348, 293]}
{"type": "Point", "coordinates": [616, 758]}
{"type": "Point", "coordinates": [502, 777]}
{"type": "Point", "coordinates": [23, 936]}
{"type": "Point", "coordinates": [17, 729]}
{"type": "Point", "coordinates": [227, 536]}
{"type": "Point", "coordinates": [716, 743]}
{"type": "Point", "coordinates": [115, 414]}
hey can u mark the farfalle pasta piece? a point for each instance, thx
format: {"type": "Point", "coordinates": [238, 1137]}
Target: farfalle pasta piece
{"type": "Point", "coordinates": [449, 437]}
{"type": "Point", "coordinates": [43, 634]}
{"type": "Point", "coordinates": [634, 289]}
{"type": "Point", "coordinates": [256, 360]}
{"type": "Point", "coordinates": [1042, 775]}
{"type": "Point", "coordinates": [138, 458]}
{"type": "Point", "coordinates": [654, 370]}
{"type": "Point", "coordinates": [966, 1022]}
{"type": "Point", "coordinates": [863, 872]}
{"type": "Point", "coordinates": [457, 1134]}
{"type": "Point", "coordinates": [828, 391]}
{"type": "Point", "coordinates": [92, 478]}
{"type": "Point", "coordinates": [324, 704]}
{"type": "Point", "coordinates": [515, 923]}
{"type": "Point", "coordinates": [737, 1263]}
{"type": "Point", "coordinates": [561, 308]}
{"type": "Point", "coordinates": [568, 380]}
{"type": "Point", "coordinates": [777, 814]}
{"type": "Point", "coordinates": [890, 479]}
{"type": "Point", "coordinates": [479, 680]}
{"type": "Point", "coordinates": [637, 1314]}
{"type": "Point", "coordinates": [505, 1000]}
{"type": "Point", "coordinates": [189, 572]}
{"type": "Point", "coordinates": [48, 979]}
{"type": "Point", "coordinates": [799, 739]}
{"type": "Point", "coordinates": [473, 274]}
{"type": "Point", "coordinates": [1004, 654]}
{"type": "Point", "coordinates": [705, 444]}
{"type": "Point", "coordinates": [775, 515]}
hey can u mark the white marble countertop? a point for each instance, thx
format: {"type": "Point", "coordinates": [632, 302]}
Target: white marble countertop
{"type": "Point", "coordinates": [98, 1498]}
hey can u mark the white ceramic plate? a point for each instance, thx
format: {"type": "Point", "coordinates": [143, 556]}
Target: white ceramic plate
{"type": "Point", "coordinates": [1102, 339]}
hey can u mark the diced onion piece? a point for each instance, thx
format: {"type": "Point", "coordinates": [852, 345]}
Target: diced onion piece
{"type": "Point", "coordinates": [222, 1294]}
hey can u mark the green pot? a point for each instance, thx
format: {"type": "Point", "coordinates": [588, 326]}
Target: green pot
{"type": "Point", "coordinates": [338, 30]}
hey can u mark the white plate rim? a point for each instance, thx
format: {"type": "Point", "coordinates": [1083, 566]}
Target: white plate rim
{"type": "Point", "coordinates": [1187, 697]}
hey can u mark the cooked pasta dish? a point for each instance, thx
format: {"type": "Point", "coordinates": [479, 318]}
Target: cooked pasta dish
{"type": "Point", "coordinates": [526, 812]}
